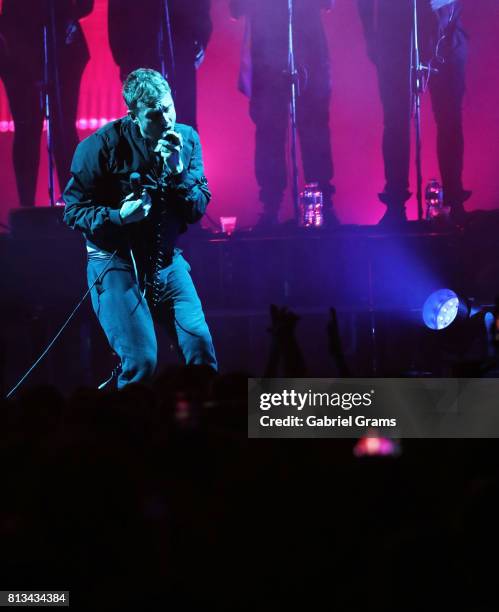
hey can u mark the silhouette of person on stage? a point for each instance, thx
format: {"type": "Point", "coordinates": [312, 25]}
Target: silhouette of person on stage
{"type": "Point", "coordinates": [265, 80]}
{"type": "Point", "coordinates": [135, 31]}
{"type": "Point", "coordinates": [388, 29]}
{"type": "Point", "coordinates": [22, 71]}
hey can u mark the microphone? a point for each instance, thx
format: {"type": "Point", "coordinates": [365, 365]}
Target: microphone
{"type": "Point", "coordinates": [135, 184]}
{"type": "Point", "coordinates": [170, 136]}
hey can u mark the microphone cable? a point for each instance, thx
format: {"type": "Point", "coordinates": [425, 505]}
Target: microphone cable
{"type": "Point", "coordinates": [62, 328]}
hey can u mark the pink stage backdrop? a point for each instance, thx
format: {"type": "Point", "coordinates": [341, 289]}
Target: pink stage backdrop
{"type": "Point", "coordinates": [227, 133]}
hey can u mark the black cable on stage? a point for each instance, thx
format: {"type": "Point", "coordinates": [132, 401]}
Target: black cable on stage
{"type": "Point", "coordinates": [63, 327]}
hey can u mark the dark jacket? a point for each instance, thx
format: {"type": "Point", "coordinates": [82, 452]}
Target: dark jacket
{"type": "Point", "coordinates": [265, 45]}
{"type": "Point", "coordinates": [388, 25]}
{"type": "Point", "coordinates": [134, 26]}
{"type": "Point", "coordinates": [101, 170]}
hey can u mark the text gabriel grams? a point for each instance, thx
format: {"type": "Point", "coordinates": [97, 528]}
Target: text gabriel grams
{"type": "Point", "coordinates": [309, 399]}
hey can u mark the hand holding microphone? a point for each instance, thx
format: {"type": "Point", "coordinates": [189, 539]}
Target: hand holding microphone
{"type": "Point", "coordinates": [136, 205]}
{"type": "Point", "coordinates": [169, 146]}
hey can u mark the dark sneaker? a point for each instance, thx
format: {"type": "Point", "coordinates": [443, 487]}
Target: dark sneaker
{"type": "Point", "coordinates": [394, 199]}
{"type": "Point", "coordinates": [330, 220]}
{"type": "Point", "coordinates": [466, 195]}
{"type": "Point", "coordinates": [457, 214]}
{"type": "Point", "coordinates": [267, 220]}
{"type": "Point", "coordinates": [394, 218]}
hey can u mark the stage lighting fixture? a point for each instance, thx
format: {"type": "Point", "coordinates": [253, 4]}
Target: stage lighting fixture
{"type": "Point", "coordinates": [445, 307]}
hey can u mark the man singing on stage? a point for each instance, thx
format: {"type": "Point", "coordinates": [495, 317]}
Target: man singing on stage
{"type": "Point", "coordinates": [136, 184]}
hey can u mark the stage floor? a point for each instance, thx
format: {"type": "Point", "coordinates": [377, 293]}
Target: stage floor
{"type": "Point", "coordinates": [377, 281]}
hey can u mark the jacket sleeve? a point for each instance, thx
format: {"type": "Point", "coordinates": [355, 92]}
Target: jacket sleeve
{"type": "Point", "coordinates": [121, 34]}
{"type": "Point", "coordinates": [88, 168]}
{"type": "Point", "coordinates": [83, 8]}
{"type": "Point", "coordinates": [190, 187]}
{"type": "Point", "coordinates": [202, 24]}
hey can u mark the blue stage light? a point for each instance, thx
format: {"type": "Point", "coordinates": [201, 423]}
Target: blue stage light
{"type": "Point", "coordinates": [443, 307]}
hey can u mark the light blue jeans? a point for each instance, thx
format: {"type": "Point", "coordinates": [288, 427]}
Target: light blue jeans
{"type": "Point", "coordinates": [128, 322]}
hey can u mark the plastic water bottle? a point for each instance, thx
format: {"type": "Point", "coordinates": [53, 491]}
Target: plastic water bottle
{"type": "Point", "coordinates": [434, 196]}
{"type": "Point", "coordinates": [311, 214]}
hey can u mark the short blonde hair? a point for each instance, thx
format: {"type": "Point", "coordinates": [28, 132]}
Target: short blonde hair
{"type": "Point", "coordinates": [144, 85]}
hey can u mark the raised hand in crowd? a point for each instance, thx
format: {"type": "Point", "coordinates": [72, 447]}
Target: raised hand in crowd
{"type": "Point", "coordinates": [284, 345]}
{"type": "Point", "coordinates": [335, 345]}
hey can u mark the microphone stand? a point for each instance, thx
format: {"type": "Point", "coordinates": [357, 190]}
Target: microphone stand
{"type": "Point", "coordinates": [418, 86]}
{"type": "Point", "coordinates": [293, 74]}
{"type": "Point", "coordinates": [49, 38]}
{"type": "Point", "coordinates": [165, 40]}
